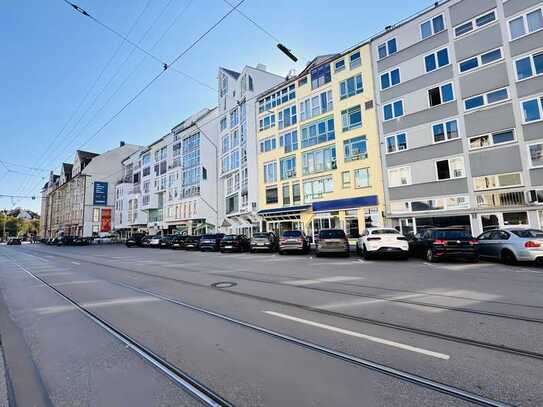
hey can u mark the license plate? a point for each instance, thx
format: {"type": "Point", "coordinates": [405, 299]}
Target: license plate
{"type": "Point", "coordinates": [190, 245]}
{"type": "Point", "coordinates": [227, 247]}
{"type": "Point", "coordinates": [260, 244]}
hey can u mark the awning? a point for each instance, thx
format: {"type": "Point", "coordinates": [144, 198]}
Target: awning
{"type": "Point", "coordinates": [289, 210]}
{"type": "Point", "coordinates": [347, 203]}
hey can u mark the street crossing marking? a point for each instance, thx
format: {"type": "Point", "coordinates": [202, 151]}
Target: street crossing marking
{"type": "Point", "coordinates": [97, 304]}
{"type": "Point", "coordinates": [362, 336]}
{"type": "Point", "coordinates": [346, 304]}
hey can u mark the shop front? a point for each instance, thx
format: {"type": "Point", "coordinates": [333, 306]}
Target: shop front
{"type": "Point", "coordinates": [279, 220]}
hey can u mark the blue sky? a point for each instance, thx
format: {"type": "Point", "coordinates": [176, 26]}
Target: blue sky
{"type": "Point", "coordinates": [52, 55]}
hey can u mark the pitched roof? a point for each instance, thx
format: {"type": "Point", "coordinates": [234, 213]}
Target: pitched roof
{"type": "Point", "coordinates": [317, 61]}
{"type": "Point", "coordinates": [67, 168]}
{"type": "Point", "coordinates": [233, 74]}
{"type": "Point", "coordinates": [83, 155]}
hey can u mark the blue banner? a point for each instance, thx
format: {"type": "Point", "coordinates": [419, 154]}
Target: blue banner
{"type": "Point", "coordinates": [100, 193]}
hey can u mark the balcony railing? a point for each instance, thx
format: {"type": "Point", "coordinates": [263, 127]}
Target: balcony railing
{"type": "Point", "coordinates": [500, 200]}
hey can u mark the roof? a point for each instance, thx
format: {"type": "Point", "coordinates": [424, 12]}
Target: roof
{"type": "Point", "coordinates": [83, 155]}
{"type": "Point", "coordinates": [67, 168]}
{"type": "Point", "coordinates": [233, 74]}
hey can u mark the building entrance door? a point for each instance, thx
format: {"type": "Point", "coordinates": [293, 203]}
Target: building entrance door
{"type": "Point", "coordinates": [489, 221]}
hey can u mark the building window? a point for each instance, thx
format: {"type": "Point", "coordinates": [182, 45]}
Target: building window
{"type": "Point", "coordinates": [287, 117]}
{"type": "Point", "coordinates": [355, 148]}
{"type": "Point", "coordinates": [387, 48]}
{"type": "Point", "coordinates": [339, 65]}
{"type": "Point", "coordinates": [491, 139]}
{"type": "Point", "coordinates": [389, 79]}
{"type": "Point", "coordinates": [316, 105]}
{"type": "Point", "coordinates": [529, 66]}
{"type": "Point", "coordinates": [303, 81]}
{"type": "Point", "coordinates": [393, 110]}
{"type": "Point", "coordinates": [272, 196]}
{"type": "Point", "coordinates": [497, 181]}
{"type": "Point", "coordinates": [362, 178]}
{"type": "Point", "coordinates": [436, 60]}
{"type": "Point", "coordinates": [96, 215]}
{"type": "Point", "coordinates": [267, 144]}
{"type": "Point", "coordinates": [475, 24]}
{"type": "Point", "coordinates": [225, 143]}
{"type": "Point", "coordinates": [480, 60]}
{"type": "Point", "coordinates": [289, 141]}
{"type": "Point", "coordinates": [399, 176]}
{"type": "Point", "coordinates": [288, 167]}
{"type": "Point", "coordinates": [396, 142]}
{"type": "Point", "coordinates": [532, 109]}
{"type": "Point", "coordinates": [320, 76]}
{"type": "Point", "coordinates": [350, 87]}
{"type": "Point", "coordinates": [445, 131]}
{"type": "Point", "coordinates": [232, 204]}
{"type": "Point", "coordinates": [316, 189]}
{"type": "Point", "coordinates": [267, 122]}
{"type": "Point", "coordinates": [286, 194]}
{"type": "Point", "coordinates": [536, 154]}
{"type": "Point", "coordinates": [270, 172]}
{"type": "Point", "coordinates": [351, 118]}
{"type": "Point", "coordinates": [526, 24]}
{"type": "Point", "coordinates": [432, 26]}
{"type": "Point", "coordinates": [296, 194]}
{"type": "Point", "coordinates": [346, 179]}
{"type": "Point", "coordinates": [277, 98]}
{"type": "Point", "coordinates": [355, 60]}
{"type": "Point", "coordinates": [486, 99]}
{"type": "Point", "coordinates": [319, 160]}
{"type": "Point", "coordinates": [441, 94]}
{"type": "Point", "coordinates": [223, 124]}
{"type": "Point", "coordinates": [318, 132]}
{"type": "Point", "coordinates": [450, 169]}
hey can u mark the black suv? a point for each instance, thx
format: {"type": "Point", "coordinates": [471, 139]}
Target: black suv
{"type": "Point", "coordinates": [440, 243]}
{"type": "Point", "coordinates": [136, 240]}
{"type": "Point", "coordinates": [211, 242]}
{"type": "Point", "coordinates": [192, 242]}
{"type": "Point", "coordinates": [178, 242]}
{"type": "Point", "coordinates": [235, 243]}
{"type": "Point", "coordinates": [264, 241]}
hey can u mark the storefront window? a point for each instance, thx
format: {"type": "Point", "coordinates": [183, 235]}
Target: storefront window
{"type": "Point", "coordinates": [515, 218]}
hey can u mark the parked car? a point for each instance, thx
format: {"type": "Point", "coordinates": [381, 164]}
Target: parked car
{"type": "Point", "coordinates": [235, 243]}
{"type": "Point", "coordinates": [452, 243]}
{"type": "Point", "coordinates": [332, 241]}
{"type": "Point", "coordinates": [192, 242]}
{"type": "Point", "coordinates": [136, 240]}
{"type": "Point", "coordinates": [14, 241]}
{"type": "Point", "coordinates": [264, 241]}
{"type": "Point", "coordinates": [382, 241]}
{"type": "Point", "coordinates": [151, 241]}
{"type": "Point", "coordinates": [293, 241]}
{"type": "Point", "coordinates": [178, 242]}
{"type": "Point", "coordinates": [65, 241]}
{"type": "Point", "coordinates": [166, 241]}
{"type": "Point", "coordinates": [81, 241]}
{"type": "Point", "coordinates": [511, 245]}
{"type": "Point", "coordinates": [211, 242]}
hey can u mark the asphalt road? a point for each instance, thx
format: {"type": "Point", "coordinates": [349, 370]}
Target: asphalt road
{"type": "Point", "coordinates": [267, 330]}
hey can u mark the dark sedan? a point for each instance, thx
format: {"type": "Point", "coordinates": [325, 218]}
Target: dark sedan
{"type": "Point", "coordinates": [267, 241]}
{"type": "Point", "coordinates": [235, 243]}
{"type": "Point", "coordinates": [178, 242]}
{"type": "Point", "coordinates": [192, 242]}
{"type": "Point", "coordinates": [136, 240]}
{"type": "Point", "coordinates": [211, 242]}
{"type": "Point", "coordinates": [14, 242]}
{"type": "Point", "coordinates": [445, 243]}
{"type": "Point", "coordinates": [166, 241]}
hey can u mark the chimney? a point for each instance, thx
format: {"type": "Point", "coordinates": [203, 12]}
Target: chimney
{"type": "Point", "coordinates": [261, 67]}
{"type": "Point", "coordinates": [121, 144]}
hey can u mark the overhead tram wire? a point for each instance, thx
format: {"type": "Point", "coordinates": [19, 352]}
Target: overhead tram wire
{"type": "Point", "coordinates": [166, 68]}
{"type": "Point", "coordinates": [43, 158]}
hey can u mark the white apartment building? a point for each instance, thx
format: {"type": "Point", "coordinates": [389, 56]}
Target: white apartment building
{"type": "Point", "coordinates": [236, 126]}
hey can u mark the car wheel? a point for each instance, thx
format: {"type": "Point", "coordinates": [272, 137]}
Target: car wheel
{"type": "Point", "coordinates": [508, 257]}
{"type": "Point", "coordinates": [358, 251]}
{"type": "Point", "coordinates": [430, 256]}
{"type": "Point", "coordinates": [366, 254]}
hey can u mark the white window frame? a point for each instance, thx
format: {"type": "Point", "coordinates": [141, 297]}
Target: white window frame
{"type": "Point", "coordinates": [434, 52]}
{"type": "Point", "coordinates": [474, 26]}
{"type": "Point", "coordinates": [490, 137]}
{"type": "Point", "coordinates": [407, 204]}
{"type": "Point", "coordinates": [480, 64]}
{"type": "Point", "coordinates": [532, 65]}
{"type": "Point", "coordinates": [359, 59]}
{"type": "Point", "coordinates": [273, 164]}
{"type": "Point", "coordinates": [530, 156]}
{"type": "Point", "coordinates": [444, 123]}
{"type": "Point", "coordinates": [452, 176]}
{"type": "Point", "coordinates": [395, 136]}
{"type": "Point", "coordinates": [392, 103]}
{"type": "Point", "coordinates": [539, 99]}
{"type": "Point", "coordinates": [497, 178]}
{"type": "Point", "coordinates": [485, 98]}
{"type": "Point", "coordinates": [385, 43]}
{"type": "Point", "coordinates": [409, 179]}
{"type": "Point", "coordinates": [369, 178]}
{"type": "Point", "coordinates": [389, 74]}
{"type": "Point", "coordinates": [440, 86]}
{"type": "Point", "coordinates": [524, 16]}
{"type": "Point", "coordinates": [262, 144]}
{"type": "Point", "coordinates": [431, 19]}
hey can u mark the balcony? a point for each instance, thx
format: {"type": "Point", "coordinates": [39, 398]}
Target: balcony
{"type": "Point", "coordinates": [500, 200]}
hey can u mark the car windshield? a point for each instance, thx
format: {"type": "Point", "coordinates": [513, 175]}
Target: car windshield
{"type": "Point", "coordinates": [385, 232]}
{"type": "Point", "coordinates": [528, 233]}
{"type": "Point", "coordinates": [209, 236]}
{"type": "Point", "coordinates": [261, 235]}
{"type": "Point", "coordinates": [292, 233]}
{"type": "Point", "coordinates": [332, 234]}
{"type": "Point", "coordinates": [230, 237]}
{"type": "Point", "coordinates": [450, 234]}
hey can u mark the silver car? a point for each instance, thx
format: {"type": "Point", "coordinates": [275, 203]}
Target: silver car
{"type": "Point", "coordinates": [511, 245]}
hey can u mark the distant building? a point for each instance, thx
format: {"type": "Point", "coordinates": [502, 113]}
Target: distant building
{"type": "Point", "coordinates": [80, 201]}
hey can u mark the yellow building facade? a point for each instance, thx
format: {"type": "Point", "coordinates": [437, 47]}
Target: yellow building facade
{"type": "Point", "coordinates": [318, 148]}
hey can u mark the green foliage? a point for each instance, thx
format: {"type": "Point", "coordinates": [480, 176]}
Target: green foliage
{"type": "Point", "coordinates": [18, 227]}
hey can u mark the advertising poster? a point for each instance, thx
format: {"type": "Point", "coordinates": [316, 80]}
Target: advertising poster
{"type": "Point", "coordinates": [105, 224]}
{"type": "Point", "coordinates": [100, 193]}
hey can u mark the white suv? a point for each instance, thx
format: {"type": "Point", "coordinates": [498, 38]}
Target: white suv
{"type": "Point", "coordinates": [377, 241]}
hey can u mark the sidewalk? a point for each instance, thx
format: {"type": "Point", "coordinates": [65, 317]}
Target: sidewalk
{"type": "Point", "coordinates": [3, 382]}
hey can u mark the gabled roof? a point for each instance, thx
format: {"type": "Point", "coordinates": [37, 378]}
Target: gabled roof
{"type": "Point", "coordinates": [84, 155]}
{"type": "Point", "coordinates": [233, 74]}
{"type": "Point", "coordinates": [67, 169]}
{"type": "Point", "coordinates": [317, 61]}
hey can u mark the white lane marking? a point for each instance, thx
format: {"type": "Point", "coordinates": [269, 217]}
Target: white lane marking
{"type": "Point", "coordinates": [56, 273]}
{"type": "Point", "coordinates": [336, 263]}
{"type": "Point", "coordinates": [77, 282]}
{"type": "Point", "coordinates": [362, 336]}
{"type": "Point", "coordinates": [98, 304]}
{"type": "Point", "coordinates": [76, 263]}
{"type": "Point", "coordinates": [345, 304]}
{"type": "Point", "coordinates": [334, 279]}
